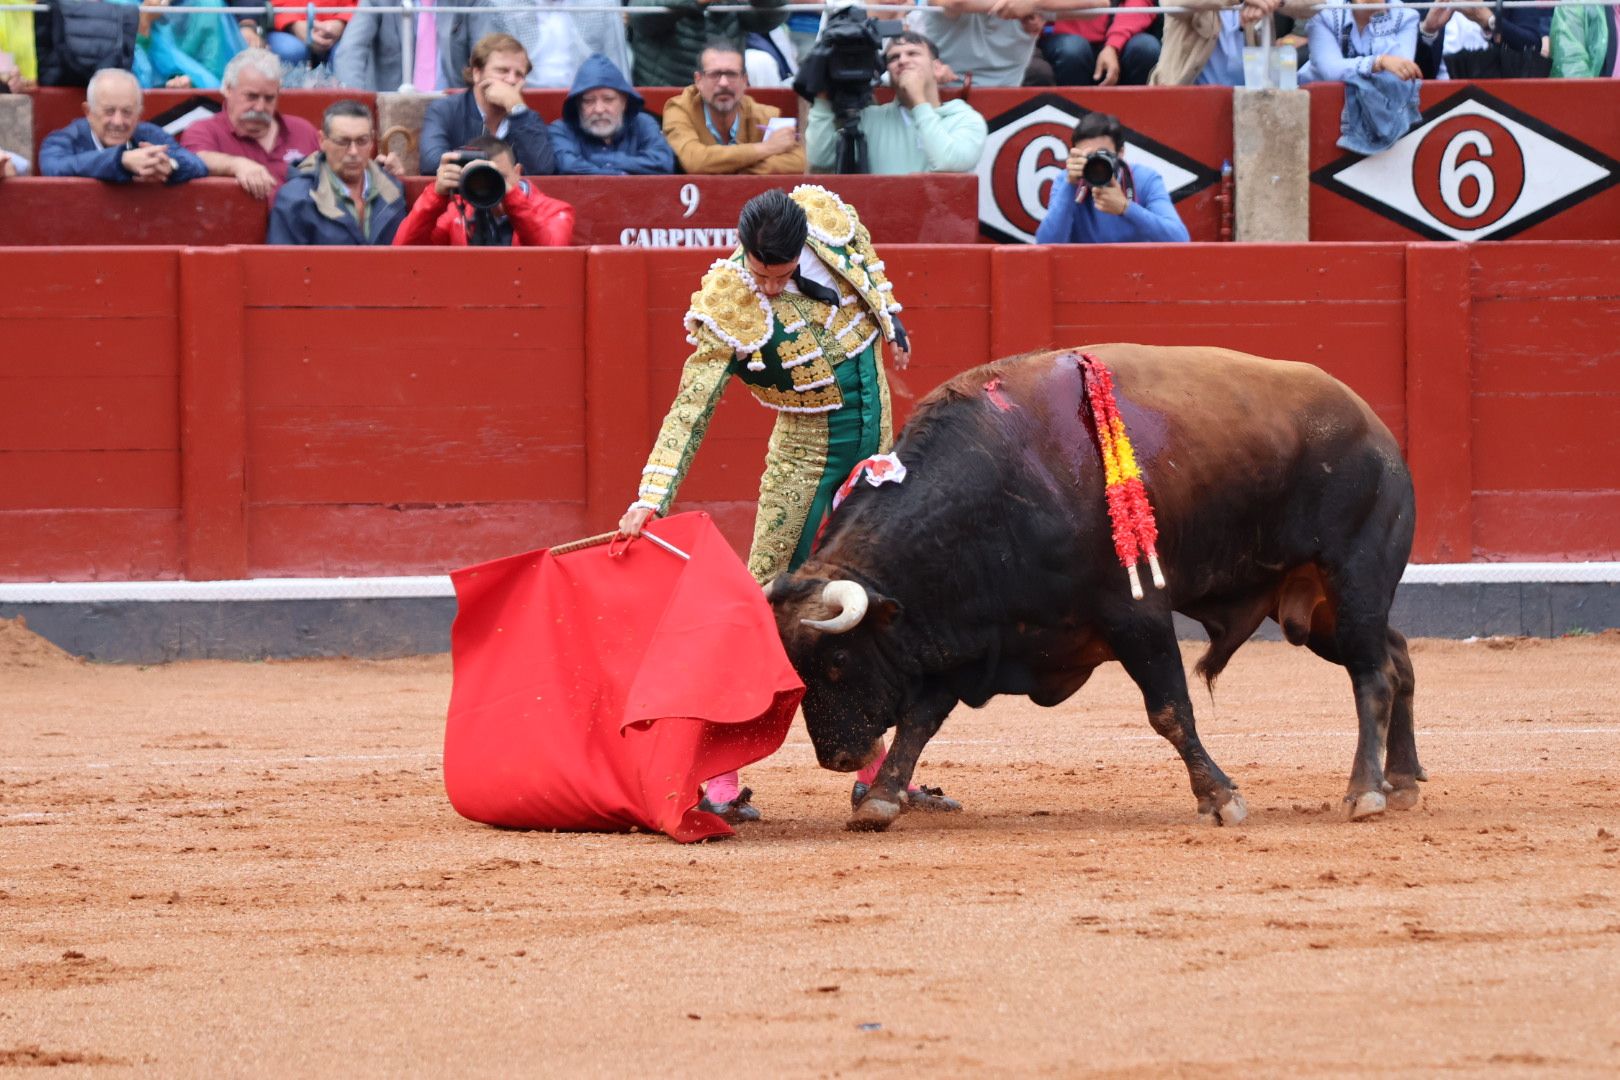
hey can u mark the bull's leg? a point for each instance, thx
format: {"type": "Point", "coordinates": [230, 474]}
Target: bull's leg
{"type": "Point", "coordinates": [1153, 661]}
{"type": "Point", "coordinates": [1374, 681]}
{"type": "Point", "coordinates": [918, 724]}
{"type": "Point", "coordinates": [1401, 769]}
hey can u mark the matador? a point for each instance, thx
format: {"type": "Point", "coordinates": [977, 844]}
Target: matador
{"type": "Point", "coordinates": [798, 313]}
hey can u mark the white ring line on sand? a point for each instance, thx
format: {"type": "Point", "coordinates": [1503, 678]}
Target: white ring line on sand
{"type": "Point", "coordinates": [436, 755]}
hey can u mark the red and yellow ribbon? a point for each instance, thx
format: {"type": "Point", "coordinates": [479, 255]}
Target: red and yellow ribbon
{"type": "Point", "coordinates": [1136, 534]}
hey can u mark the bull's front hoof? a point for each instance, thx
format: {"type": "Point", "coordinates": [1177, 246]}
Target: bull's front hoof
{"type": "Point", "coordinates": [1234, 812]}
{"type": "Point", "coordinates": [1231, 812]}
{"type": "Point", "coordinates": [873, 815]}
{"type": "Point", "coordinates": [1368, 804]}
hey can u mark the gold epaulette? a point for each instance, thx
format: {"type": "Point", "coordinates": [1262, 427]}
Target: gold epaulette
{"type": "Point", "coordinates": [832, 221]}
{"type": "Point", "coordinates": [728, 305]}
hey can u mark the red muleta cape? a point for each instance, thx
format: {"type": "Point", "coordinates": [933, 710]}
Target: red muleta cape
{"type": "Point", "coordinates": [595, 692]}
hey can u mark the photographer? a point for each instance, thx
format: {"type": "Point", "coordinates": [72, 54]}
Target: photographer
{"type": "Point", "coordinates": [914, 133]}
{"type": "Point", "coordinates": [1102, 200]}
{"type": "Point", "coordinates": [479, 198]}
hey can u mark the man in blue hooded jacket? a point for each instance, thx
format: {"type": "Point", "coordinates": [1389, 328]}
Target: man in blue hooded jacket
{"type": "Point", "coordinates": [605, 129]}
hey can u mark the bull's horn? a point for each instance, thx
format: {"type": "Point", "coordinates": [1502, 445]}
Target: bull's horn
{"type": "Point", "coordinates": [850, 599]}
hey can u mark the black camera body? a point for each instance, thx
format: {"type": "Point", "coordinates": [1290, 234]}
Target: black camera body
{"type": "Point", "coordinates": [482, 184]}
{"type": "Point", "coordinates": [1100, 168]}
{"type": "Point", "coordinates": [845, 64]}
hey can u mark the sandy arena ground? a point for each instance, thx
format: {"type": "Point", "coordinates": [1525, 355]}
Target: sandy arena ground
{"type": "Point", "coordinates": [251, 869]}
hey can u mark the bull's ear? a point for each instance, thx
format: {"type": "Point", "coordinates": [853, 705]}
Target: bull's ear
{"type": "Point", "coordinates": [884, 610]}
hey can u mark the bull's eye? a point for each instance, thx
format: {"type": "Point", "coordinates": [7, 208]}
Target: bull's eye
{"type": "Point", "coordinates": [835, 664]}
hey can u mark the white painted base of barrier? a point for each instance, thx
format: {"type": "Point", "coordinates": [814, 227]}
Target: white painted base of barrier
{"type": "Point", "coordinates": [391, 588]}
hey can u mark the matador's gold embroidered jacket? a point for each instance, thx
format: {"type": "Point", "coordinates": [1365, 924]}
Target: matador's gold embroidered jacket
{"type": "Point", "coordinates": [769, 343]}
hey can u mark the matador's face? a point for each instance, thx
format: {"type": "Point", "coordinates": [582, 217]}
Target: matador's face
{"type": "Point", "coordinates": [771, 278]}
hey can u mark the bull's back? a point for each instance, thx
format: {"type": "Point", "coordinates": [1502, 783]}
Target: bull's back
{"type": "Point", "coordinates": [1223, 437]}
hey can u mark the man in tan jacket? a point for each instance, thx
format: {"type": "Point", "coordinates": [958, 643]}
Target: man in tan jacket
{"type": "Point", "coordinates": [716, 128]}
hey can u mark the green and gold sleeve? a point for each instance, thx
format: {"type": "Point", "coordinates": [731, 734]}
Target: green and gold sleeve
{"type": "Point", "coordinates": [703, 380]}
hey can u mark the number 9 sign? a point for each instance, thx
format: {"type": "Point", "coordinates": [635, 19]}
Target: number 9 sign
{"type": "Point", "coordinates": [690, 198]}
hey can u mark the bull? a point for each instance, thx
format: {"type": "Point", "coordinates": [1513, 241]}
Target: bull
{"type": "Point", "coordinates": [991, 569]}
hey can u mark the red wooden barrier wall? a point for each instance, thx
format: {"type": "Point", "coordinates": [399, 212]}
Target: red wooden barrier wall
{"type": "Point", "coordinates": [653, 211]}
{"type": "Point", "coordinates": [255, 412]}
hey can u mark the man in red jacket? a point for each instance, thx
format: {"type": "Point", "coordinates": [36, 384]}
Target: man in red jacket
{"type": "Point", "coordinates": [523, 218]}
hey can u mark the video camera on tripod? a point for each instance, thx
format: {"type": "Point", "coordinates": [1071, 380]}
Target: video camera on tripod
{"type": "Point", "coordinates": [845, 63]}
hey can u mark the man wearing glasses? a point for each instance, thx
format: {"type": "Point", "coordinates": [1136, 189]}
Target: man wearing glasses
{"type": "Point", "coordinates": [715, 128]}
{"type": "Point", "coordinates": [340, 195]}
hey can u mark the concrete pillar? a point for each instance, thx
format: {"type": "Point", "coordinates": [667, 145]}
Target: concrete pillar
{"type": "Point", "coordinates": [400, 110]}
{"type": "Point", "coordinates": [17, 125]}
{"type": "Point", "coordinates": [1271, 142]}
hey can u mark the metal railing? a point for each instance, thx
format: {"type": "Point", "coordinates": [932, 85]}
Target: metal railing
{"type": "Point", "coordinates": [407, 9]}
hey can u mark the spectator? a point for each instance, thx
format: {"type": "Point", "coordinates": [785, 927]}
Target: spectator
{"type": "Point", "coordinates": [771, 60]}
{"type": "Point", "coordinates": [370, 57]}
{"type": "Point", "coordinates": [189, 52]}
{"type": "Point", "coordinates": [12, 165]}
{"type": "Point", "coordinates": [993, 40]}
{"type": "Point", "coordinates": [250, 140]}
{"type": "Point", "coordinates": [1204, 46]}
{"type": "Point", "coordinates": [715, 127]}
{"type": "Point", "coordinates": [1133, 207]}
{"type": "Point", "coordinates": [340, 195]}
{"type": "Point", "coordinates": [605, 129]}
{"type": "Point", "coordinates": [1103, 49]}
{"type": "Point", "coordinates": [493, 106]}
{"type": "Point", "coordinates": [73, 43]}
{"type": "Point", "coordinates": [1350, 39]}
{"type": "Point", "coordinates": [112, 143]}
{"type": "Point", "coordinates": [296, 41]}
{"type": "Point", "coordinates": [559, 40]}
{"type": "Point", "coordinates": [665, 45]}
{"type": "Point", "coordinates": [915, 132]}
{"type": "Point", "coordinates": [523, 218]}
{"type": "Point", "coordinates": [251, 22]}
{"type": "Point", "coordinates": [1518, 45]}
{"type": "Point", "coordinates": [1583, 41]}
{"type": "Point", "coordinates": [19, 68]}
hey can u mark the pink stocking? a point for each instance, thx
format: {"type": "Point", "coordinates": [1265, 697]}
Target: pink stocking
{"type": "Point", "coordinates": [722, 789]}
{"type": "Point", "coordinates": [869, 774]}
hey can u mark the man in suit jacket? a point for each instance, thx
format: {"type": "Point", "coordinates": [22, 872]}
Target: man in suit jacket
{"type": "Point", "coordinates": [492, 106]}
{"type": "Point", "coordinates": [370, 58]}
{"type": "Point", "coordinates": [111, 142]}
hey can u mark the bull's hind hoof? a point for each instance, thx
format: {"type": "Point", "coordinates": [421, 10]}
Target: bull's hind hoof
{"type": "Point", "coordinates": [1404, 798]}
{"type": "Point", "coordinates": [873, 815]}
{"type": "Point", "coordinates": [1368, 804]}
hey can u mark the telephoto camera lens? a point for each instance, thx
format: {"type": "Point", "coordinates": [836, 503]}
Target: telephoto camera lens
{"type": "Point", "coordinates": [482, 185]}
{"type": "Point", "coordinates": [1099, 168]}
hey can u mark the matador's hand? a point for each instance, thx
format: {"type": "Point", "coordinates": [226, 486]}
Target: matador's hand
{"type": "Point", "coordinates": [634, 520]}
{"type": "Point", "coordinates": [899, 358]}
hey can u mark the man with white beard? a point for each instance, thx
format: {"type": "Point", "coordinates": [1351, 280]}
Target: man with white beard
{"type": "Point", "coordinates": [605, 129]}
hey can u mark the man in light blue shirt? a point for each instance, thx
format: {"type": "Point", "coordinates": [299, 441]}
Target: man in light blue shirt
{"type": "Point", "coordinates": [1133, 207]}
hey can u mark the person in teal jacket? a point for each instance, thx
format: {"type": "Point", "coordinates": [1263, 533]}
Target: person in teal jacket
{"type": "Point", "coordinates": [914, 133]}
{"type": "Point", "coordinates": [185, 50]}
{"type": "Point", "coordinates": [1583, 41]}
